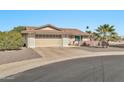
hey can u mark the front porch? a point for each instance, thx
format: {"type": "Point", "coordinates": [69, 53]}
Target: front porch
{"type": "Point", "coordinates": [77, 40]}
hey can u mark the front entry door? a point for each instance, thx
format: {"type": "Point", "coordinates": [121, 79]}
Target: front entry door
{"type": "Point", "coordinates": [77, 38]}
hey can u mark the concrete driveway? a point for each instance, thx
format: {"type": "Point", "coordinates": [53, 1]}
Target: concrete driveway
{"type": "Point", "coordinates": [93, 69]}
{"type": "Point", "coordinates": [45, 53]}
{"type": "Point", "coordinates": [57, 53]}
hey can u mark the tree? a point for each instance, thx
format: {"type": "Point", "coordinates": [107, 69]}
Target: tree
{"type": "Point", "coordinates": [105, 32]}
{"type": "Point", "coordinates": [87, 30]}
{"type": "Point", "coordinates": [96, 36]}
{"type": "Point", "coordinates": [2, 40]}
{"type": "Point", "coordinates": [15, 40]}
{"type": "Point", "coordinates": [87, 27]}
{"type": "Point", "coordinates": [18, 29]}
{"type": "Point", "coordinates": [10, 40]}
{"type": "Point", "coordinates": [113, 36]}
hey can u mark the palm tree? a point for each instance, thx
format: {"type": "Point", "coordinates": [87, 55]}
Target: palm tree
{"type": "Point", "coordinates": [96, 36]}
{"type": "Point", "coordinates": [113, 36]}
{"type": "Point", "coordinates": [89, 32]}
{"type": "Point", "coordinates": [105, 30]}
{"type": "Point", "coordinates": [87, 27]}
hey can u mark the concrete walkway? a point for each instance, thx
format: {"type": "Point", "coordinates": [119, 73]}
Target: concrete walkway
{"type": "Point", "coordinates": [49, 55]}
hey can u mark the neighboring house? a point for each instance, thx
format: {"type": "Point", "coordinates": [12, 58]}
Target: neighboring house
{"type": "Point", "coordinates": [51, 36]}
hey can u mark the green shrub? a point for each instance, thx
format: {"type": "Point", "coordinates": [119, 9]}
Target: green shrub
{"type": "Point", "coordinates": [18, 29]}
{"type": "Point", "coordinates": [10, 40]}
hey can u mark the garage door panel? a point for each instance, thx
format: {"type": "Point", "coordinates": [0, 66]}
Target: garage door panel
{"type": "Point", "coordinates": [48, 42]}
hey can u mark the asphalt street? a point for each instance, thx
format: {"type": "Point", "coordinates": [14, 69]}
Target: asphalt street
{"type": "Point", "coordinates": [93, 69]}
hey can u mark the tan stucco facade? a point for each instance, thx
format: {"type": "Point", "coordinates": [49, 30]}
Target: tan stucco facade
{"type": "Point", "coordinates": [31, 41]}
{"type": "Point", "coordinates": [51, 36]}
{"type": "Point", "coordinates": [47, 28]}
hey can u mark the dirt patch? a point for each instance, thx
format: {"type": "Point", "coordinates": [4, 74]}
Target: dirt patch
{"type": "Point", "coordinates": [17, 55]}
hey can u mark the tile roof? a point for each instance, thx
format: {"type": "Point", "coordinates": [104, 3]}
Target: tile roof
{"type": "Point", "coordinates": [68, 31]}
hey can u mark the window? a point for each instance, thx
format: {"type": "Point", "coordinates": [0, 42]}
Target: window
{"type": "Point", "coordinates": [48, 36]}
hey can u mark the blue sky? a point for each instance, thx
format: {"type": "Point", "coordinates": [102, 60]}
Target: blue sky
{"type": "Point", "coordinates": [66, 18]}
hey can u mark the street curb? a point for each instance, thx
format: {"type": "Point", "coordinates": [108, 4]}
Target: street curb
{"type": "Point", "coordinates": [8, 70]}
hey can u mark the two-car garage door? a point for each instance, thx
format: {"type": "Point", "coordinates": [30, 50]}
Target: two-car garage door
{"type": "Point", "coordinates": [48, 41]}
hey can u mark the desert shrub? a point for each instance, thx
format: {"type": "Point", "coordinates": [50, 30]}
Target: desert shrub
{"type": "Point", "coordinates": [18, 29]}
{"type": "Point", "coordinates": [10, 40]}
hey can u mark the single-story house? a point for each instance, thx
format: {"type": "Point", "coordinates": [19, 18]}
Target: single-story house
{"type": "Point", "coordinates": [51, 36]}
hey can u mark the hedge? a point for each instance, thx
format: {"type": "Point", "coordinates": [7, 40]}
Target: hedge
{"type": "Point", "coordinates": [10, 40]}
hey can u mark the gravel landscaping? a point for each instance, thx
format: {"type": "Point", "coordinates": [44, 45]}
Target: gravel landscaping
{"type": "Point", "coordinates": [17, 55]}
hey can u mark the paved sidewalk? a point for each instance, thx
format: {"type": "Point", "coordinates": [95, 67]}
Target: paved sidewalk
{"type": "Point", "coordinates": [57, 56]}
{"type": "Point", "coordinates": [94, 49]}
